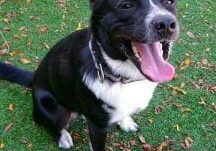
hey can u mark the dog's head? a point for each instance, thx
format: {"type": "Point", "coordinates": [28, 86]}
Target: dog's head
{"type": "Point", "coordinates": [142, 29]}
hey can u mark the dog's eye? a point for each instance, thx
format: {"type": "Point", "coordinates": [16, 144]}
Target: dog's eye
{"type": "Point", "coordinates": [127, 5]}
{"type": "Point", "coordinates": [168, 2]}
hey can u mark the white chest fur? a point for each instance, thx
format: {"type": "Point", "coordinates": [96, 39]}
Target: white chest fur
{"type": "Point", "coordinates": [125, 98]}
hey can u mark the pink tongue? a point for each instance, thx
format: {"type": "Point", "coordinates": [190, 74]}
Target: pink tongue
{"type": "Point", "coordinates": [152, 63]}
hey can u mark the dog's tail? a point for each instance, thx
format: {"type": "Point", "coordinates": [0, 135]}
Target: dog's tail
{"type": "Point", "coordinates": [15, 75]}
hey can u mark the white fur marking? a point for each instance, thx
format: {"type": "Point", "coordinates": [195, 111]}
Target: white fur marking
{"type": "Point", "coordinates": [128, 125]}
{"type": "Point", "coordinates": [65, 140]}
{"type": "Point", "coordinates": [127, 99]}
{"type": "Point", "coordinates": [157, 11]}
{"type": "Point", "coordinates": [126, 68]}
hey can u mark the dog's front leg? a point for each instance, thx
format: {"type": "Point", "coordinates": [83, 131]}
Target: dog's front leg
{"type": "Point", "coordinates": [98, 136]}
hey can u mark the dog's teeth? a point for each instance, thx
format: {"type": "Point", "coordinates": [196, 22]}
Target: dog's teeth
{"type": "Point", "coordinates": [161, 49]}
{"type": "Point", "coordinates": [138, 56]}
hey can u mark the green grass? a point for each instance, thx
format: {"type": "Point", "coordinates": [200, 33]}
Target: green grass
{"type": "Point", "coordinates": [194, 120]}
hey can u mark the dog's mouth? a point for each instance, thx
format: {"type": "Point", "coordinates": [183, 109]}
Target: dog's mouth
{"type": "Point", "coordinates": [151, 59]}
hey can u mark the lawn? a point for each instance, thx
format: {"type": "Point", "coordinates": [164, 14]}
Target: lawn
{"type": "Point", "coordinates": [182, 114]}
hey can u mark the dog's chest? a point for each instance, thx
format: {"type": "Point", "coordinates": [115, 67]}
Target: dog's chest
{"type": "Point", "coordinates": [125, 99]}
{"type": "Point", "coordinates": [129, 98]}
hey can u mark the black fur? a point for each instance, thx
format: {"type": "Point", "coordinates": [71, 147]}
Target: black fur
{"type": "Point", "coordinates": [16, 75]}
{"type": "Point", "coordinates": [58, 87]}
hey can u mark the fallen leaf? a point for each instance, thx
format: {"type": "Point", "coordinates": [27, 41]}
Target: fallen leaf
{"type": "Point", "coordinates": [214, 106]}
{"type": "Point", "coordinates": [132, 142]}
{"type": "Point", "coordinates": [2, 1]}
{"type": "Point", "coordinates": [182, 85]}
{"type": "Point", "coordinates": [177, 89]}
{"type": "Point", "coordinates": [177, 127]}
{"type": "Point", "coordinates": [190, 34]}
{"type": "Point", "coordinates": [34, 17]}
{"type": "Point", "coordinates": [142, 139]}
{"type": "Point", "coordinates": [166, 145]}
{"type": "Point", "coordinates": [186, 63]}
{"type": "Point", "coordinates": [76, 136]}
{"type": "Point", "coordinates": [6, 29]}
{"type": "Point", "coordinates": [6, 20]}
{"type": "Point", "coordinates": [150, 120]}
{"type": "Point", "coordinates": [23, 141]}
{"type": "Point", "coordinates": [42, 29]}
{"type": "Point", "coordinates": [213, 88]}
{"type": "Point", "coordinates": [1, 145]}
{"type": "Point", "coordinates": [46, 45]}
{"type": "Point", "coordinates": [8, 127]}
{"type": "Point", "coordinates": [25, 61]}
{"type": "Point", "coordinates": [186, 109]}
{"type": "Point", "coordinates": [79, 26]}
{"type": "Point", "coordinates": [186, 142]}
{"type": "Point", "coordinates": [30, 146]}
{"type": "Point", "coordinates": [61, 3]}
{"type": "Point", "coordinates": [146, 147]}
{"type": "Point", "coordinates": [4, 52]}
{"type": "Point", "coordinates": [202, 102]}
{"type": "Point", "coordinates": [10, 107]}
{"type": "Point", "coordinates": [15, 53]}
{"type": "Point", "coordinates": [23, 28]}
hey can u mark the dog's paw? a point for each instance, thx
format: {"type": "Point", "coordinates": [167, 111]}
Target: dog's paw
{"type": "Point", "coordinates": [128, 125]}
{"type": "Point", "coordinates": [65, 141]}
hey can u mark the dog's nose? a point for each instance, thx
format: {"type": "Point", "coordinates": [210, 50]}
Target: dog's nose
{"type": "Point", "coordinates": [164, 25]}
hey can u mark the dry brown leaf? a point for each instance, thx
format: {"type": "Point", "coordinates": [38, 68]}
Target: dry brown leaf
{"type": "Point", "coordinates": [186, 63]}
{"type": "Point", "coordinates": [8, 127]}
{"type": "Point", "coordinates": [34, 17]}
{"type": "Point", "coordinates": [23, 28]}
{"type": "Point", "coordinates": [213, 88]}
{"type": "Point", "coordinates": [42, 29]}
{"type": "Point", "coordinates": [177, 89]}
{"type": "Point", "coordinates": [61, 3]}
{"type": "Point", "coordinates": [6, 29]}
{"type": "Point", "coordinates": [23, 140]}
{"type": "Point", "coordinates": [186, 142]}
{"type": "Point", "coordinates": [132, 142]}
{"type": "Point", "coordinates": [25, 61]}
{"type": "Point", "coordinates": [15, 53]}
{"type": "Point", "coordinates": [76, 136]}
{"type": "Point", "coordinates": [146, 147]}
{"type": "Point", "coordinates": [204, 61]}
{"type": "Point", "coordinates": [166, 145]}
{"type": "Point", "coordinates": [28, 1]}
{"type": "Point", "coordinates": [4, 52]}
{"type": "Point", "coordinates": [2, 1]}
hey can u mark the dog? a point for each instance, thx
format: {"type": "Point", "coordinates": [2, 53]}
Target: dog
{"type": "Point", "coordinates": [106, 72]}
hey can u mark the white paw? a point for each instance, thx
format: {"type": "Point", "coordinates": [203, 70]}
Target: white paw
{"type": "Point", "coordinates": [65, 140]}
{"type": "Point", "coordinates": [128, 125]}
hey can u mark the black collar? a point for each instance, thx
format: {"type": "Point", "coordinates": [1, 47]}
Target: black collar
{"type": "Point", "coordinates": [103, 71]}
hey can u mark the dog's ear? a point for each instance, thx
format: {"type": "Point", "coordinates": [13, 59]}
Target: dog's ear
{"type": "Point", "coordinates": [95, 4]}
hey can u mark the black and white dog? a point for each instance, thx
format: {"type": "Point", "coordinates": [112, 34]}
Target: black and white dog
{"type": "Point", "coordinates": [106, 72]}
